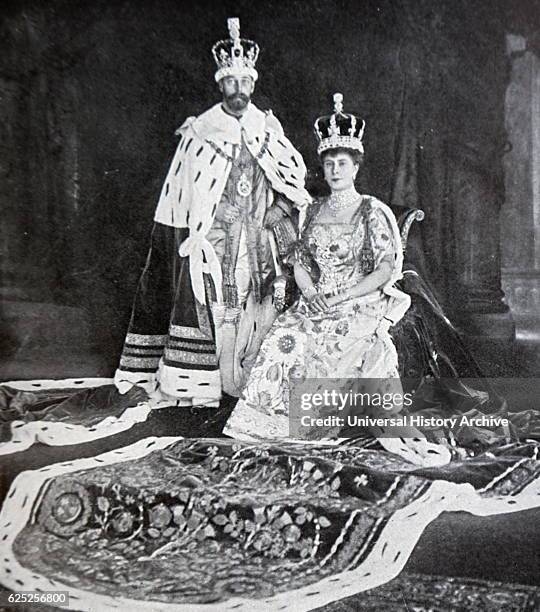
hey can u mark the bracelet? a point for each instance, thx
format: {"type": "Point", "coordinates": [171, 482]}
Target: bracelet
{"type": "Point", "coordinates": [336, 293]}
{"type": "Point", "coordinates": [310, 292]}
{"type": "Point", "coordinates": [344, 295]}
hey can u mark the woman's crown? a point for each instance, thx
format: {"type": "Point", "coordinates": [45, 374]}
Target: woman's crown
{"type": "Point", "coordinates": [235, 56]}
{"type": "Point", "coordinates": [339, 129]}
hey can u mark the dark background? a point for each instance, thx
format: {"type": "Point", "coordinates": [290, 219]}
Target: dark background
{"type": "Point", "coordinates": [93, 92]}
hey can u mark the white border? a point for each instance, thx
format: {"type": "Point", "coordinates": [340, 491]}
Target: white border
{"type": "Point", "coordinates": [61, 383]}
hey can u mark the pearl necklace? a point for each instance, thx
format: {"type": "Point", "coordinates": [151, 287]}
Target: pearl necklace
{"type": "Point", "coordinates": [340, 200]}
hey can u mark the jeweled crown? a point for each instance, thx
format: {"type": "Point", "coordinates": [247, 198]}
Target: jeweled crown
{"type": "Point", "coordinates": [235, 56]}
{"type": "Point", "coordinates": [339, 129]}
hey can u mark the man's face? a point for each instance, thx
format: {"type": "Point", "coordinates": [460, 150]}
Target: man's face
{"type": "Point", "coordinates": [236, 92]}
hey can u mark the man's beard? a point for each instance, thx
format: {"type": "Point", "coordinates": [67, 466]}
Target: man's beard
{"type": "Point", "coordinates": [237, 102]}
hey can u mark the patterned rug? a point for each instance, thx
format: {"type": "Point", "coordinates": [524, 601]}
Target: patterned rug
{"type": "Point", "coordinates": [215, 524]}
{"type": "Point", "coordinates": [428, 593]}
{"type": "Point", "coordinates": [416, 592]}
{"type": "Point", "coordinates": [420, 593]}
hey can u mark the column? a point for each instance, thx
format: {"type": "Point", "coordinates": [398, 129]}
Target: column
{"type": "Point", "coordinates": [520, 231]}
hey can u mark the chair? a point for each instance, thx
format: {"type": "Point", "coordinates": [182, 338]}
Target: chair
{"type": "Point", "coordinates": [406, 216]}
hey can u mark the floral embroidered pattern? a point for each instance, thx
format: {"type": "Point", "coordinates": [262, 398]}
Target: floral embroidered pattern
{"type": "Point", "coordinates": [286, 343]}
{"type": "Point", "coordinates": [212, 519]}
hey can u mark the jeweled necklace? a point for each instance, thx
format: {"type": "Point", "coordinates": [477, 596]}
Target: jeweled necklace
{"type": "Point", "coordinates": [340, 200]}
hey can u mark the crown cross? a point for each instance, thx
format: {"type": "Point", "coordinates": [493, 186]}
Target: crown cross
{"type": "Point", "coordinates": [338, 103]}
{"type": "Point", "coordinates": [333, 129]}
{"type": "Point", "coordinates": [233, 23]}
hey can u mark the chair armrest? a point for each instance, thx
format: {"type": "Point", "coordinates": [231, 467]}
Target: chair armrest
{"type": "Point", "coordinates": [405, 222]}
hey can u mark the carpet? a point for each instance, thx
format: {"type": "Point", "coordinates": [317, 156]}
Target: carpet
{"type": "Point", "coordinates": [248, 527]}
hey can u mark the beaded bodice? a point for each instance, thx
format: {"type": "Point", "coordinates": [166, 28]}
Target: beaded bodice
{"type": "Point", "coordinates": [334, 247]}
{"type": "Point", "coordinates": [339, 254]}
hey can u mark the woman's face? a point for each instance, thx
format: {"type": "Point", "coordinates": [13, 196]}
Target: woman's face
{"type": "Point", "coordinates": [339, 171]}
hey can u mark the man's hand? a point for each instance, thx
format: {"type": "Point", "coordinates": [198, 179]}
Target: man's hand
{"type": "Point", "coordinates": [273, 216]}
{"type": "Point", "coordinates": [227, 211]}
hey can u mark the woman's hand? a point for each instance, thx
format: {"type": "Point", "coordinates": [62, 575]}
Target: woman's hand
{"type": "Point", "coordinates": [318, 303]}
{"type": "Point", "coordinates": [334, 300]}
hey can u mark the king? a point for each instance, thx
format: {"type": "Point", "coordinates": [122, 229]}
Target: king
{"type": "Point", "coordinates": [222, 227]}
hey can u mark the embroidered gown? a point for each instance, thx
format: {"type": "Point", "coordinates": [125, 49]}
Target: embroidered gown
{"type": "Point", "coordinates": [350, 340]}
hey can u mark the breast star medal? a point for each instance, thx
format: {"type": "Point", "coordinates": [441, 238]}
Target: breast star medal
{"type": "Point", "coordinates": [243, 186]}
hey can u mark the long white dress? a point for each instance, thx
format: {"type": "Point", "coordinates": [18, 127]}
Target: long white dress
{"type": "Point", "coordinates": [349, 341]}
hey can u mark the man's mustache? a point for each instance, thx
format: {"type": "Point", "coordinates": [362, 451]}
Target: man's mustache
{"type": "Point", "coordinates": [238, 96]}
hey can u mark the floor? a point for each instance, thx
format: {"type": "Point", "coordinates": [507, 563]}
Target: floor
{"type": "Point", "coordinates": [504, 547]}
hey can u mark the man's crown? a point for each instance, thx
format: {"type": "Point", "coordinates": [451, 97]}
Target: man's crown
{"type": "Point", "coordinates": [339, 129]}
{"type": "Point", "coordinates": [235, 56]}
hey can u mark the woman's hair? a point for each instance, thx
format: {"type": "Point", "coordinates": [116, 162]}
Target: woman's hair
{"type": "Point", "coordinates": [355, 155]}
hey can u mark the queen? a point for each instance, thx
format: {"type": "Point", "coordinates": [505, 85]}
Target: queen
{"type": "Point", "coordinates": [346, 264]}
